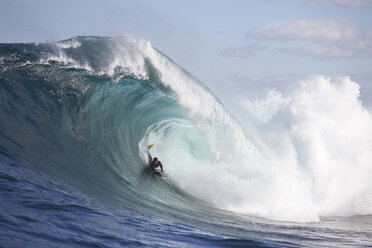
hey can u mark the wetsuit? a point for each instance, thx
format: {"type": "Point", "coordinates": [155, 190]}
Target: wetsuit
{"type": "Point", "coordinates": [153, 166]}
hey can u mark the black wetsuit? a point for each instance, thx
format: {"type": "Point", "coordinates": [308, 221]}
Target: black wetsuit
{"type": "Point", "coordinates": [153, 166]}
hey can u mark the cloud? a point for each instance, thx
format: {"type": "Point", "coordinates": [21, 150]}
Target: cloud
{"type": "Point", "coordinates": [307, 30]}
{"type": "Point", "coordinates": [339, 3]}
{"type": "Point", "coordinates": [323, 39]}
{"type": "Point", "coordinates": [332, 3]}
{"type": "Point", "coordinates": [324, 51]}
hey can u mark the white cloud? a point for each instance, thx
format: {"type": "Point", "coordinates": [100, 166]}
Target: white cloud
{"type": "Point", "coordinates": [332, 3]}
{"type": "Point", "coordinates": [338, 3]}
{"type": "Point", "coordinates": [323, 39]}
{"type": "Point", "coordinates": [307, 30]}
{"type": "Point", "coordinates": [323, 51]}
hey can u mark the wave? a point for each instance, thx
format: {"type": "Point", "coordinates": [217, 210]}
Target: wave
{"type": "Point", "coordinates": [83, 111]}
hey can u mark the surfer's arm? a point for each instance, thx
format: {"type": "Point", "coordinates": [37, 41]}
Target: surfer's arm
{"type": "Point", "coordinates": [161, 166]}
{"type": "Point", "coordinates": [149, 157]}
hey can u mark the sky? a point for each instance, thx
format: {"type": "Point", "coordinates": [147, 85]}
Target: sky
{"type": "Point", "coordinates": [248, 45]}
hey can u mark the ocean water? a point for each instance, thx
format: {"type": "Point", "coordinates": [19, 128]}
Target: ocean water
{"type": "Point", "coordinates": [291, 170]}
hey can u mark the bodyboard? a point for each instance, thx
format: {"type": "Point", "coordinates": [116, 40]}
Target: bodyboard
{"type": "Point", "coordinates": [160, 173]}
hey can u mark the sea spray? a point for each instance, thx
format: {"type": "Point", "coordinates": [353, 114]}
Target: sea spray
{"type": "Point", "coordinates": [309, 145]}
{"type": "Point", "coordinates": [277, 174]}
{"type": "Point", "coordinates": [319, 138]}
{"type": "Point", "coordinates": [288, 160]}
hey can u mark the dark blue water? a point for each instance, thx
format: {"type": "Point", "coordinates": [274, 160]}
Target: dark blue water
{"type": "Point", "coordinates": [73, 127]}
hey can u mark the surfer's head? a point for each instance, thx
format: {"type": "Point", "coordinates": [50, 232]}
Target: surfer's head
{"type": "Point", "coordinates": [156, 160]}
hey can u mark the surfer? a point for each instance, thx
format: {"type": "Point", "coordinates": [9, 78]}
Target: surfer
{"type": "Point", "coordinates": [154, 163]}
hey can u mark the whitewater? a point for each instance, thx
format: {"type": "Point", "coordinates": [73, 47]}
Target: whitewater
{"type": "Point", "coordinates": [290, 169]}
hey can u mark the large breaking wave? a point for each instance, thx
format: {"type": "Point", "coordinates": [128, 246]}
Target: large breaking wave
{"type": "Point", "coordinates": [83, 111]}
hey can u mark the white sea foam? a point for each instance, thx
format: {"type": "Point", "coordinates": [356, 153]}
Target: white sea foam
{"type": "Point", "coordinates": [306, 154]}
{"type": "Point", "coordinates": [73, 43]}
{"type": "Point", "coordinates": [65, 60]}
{"type": "Point", "coordinates": [319, 143]}
{"type": "Point", "coordinates": [127, 58]}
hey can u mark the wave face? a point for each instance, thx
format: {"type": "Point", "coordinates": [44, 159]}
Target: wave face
{"type": "Point", "coordinates": [83, 111]}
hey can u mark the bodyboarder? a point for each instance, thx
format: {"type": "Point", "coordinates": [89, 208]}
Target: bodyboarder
{"type": "Point", "coordinates": [154, 163]}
